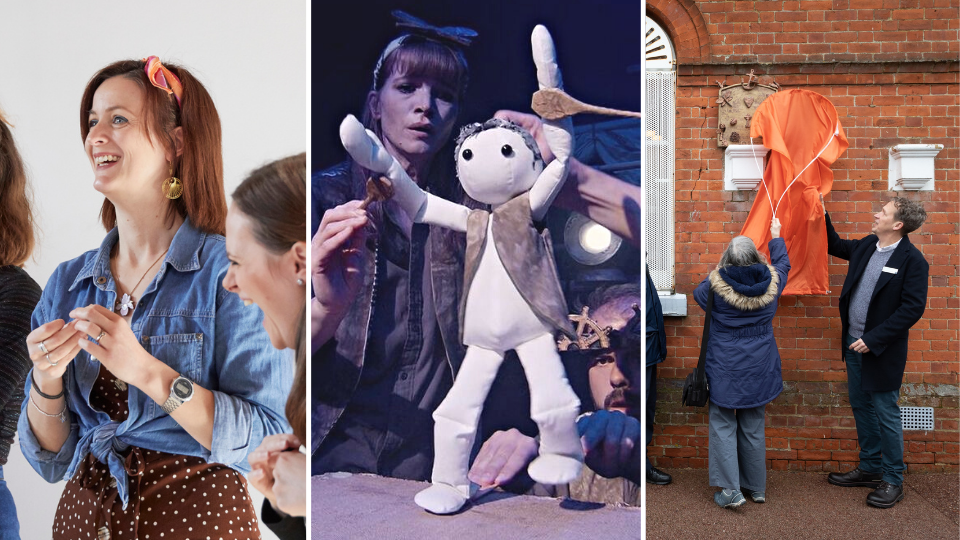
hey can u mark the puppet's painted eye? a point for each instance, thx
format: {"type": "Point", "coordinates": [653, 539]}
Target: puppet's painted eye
{"type": "Point", "coordinates": [467, 154]}
{"type": "Point", "coordinates": [507, 150]}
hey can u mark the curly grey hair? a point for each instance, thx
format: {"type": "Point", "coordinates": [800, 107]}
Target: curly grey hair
{"type": "Point", "coordinates": [742, 252]}
{"type": "Point", "coordinates": [472, 129]}
{"type": "Point", "coordinates": [610, 294]}
{"type": "Point", "coordinates": [911, 213]}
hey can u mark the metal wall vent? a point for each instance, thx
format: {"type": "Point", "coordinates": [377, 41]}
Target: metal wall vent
{"type": "Point", "coordinates": [917, 418]}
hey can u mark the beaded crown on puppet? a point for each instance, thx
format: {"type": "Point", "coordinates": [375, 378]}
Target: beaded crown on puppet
{"type": "Point", "coordinates": [512, 298]}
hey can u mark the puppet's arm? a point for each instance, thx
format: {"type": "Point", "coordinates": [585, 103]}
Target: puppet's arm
{"type": "Point", "coordinates": [367, 150]}
{"type": "Point", "coordinates": [559, 134]}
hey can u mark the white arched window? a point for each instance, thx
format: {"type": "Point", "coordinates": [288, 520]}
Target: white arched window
{"type": "Point", "coordinates": [660, 114]}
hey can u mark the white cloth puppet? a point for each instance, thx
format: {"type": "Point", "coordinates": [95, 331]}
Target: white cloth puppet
{"type": "Point", "coordinates": [513, 298]}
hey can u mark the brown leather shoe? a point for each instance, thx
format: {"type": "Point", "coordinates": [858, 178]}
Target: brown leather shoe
{"type": "Point", "coordinates": [854, 478]}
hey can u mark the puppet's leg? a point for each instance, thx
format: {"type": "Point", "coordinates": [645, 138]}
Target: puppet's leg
{"type": "Point", "coordinates": [554, 407]}
{"type": "Point", "coordinates": [455, 430]}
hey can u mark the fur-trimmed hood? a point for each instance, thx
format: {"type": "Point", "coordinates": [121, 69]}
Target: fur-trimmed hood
{"type": "Point", "coordinates": [741, 301]}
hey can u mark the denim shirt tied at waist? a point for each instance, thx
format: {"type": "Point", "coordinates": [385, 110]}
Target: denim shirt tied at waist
{"type": "Point", "coordinates": [187, 320]}
{"type": "Point", "coordinates": [338, 364]}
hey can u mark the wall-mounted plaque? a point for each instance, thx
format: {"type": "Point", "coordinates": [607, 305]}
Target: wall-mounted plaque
{"type": "Point", "coordinates": [737, 104]}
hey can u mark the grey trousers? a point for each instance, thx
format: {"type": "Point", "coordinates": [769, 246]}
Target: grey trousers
{"type": "Point", "coordinates": [738, 448]}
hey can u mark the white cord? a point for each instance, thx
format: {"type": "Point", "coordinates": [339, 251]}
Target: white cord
{"type": "Point", "coordinates": [753, 148]}
{"type": "Point", "coordinates": [836, 133]}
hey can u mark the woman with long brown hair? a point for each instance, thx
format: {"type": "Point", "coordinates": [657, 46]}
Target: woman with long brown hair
{"type": "Point", "coordinates": [402, 322]}
{"type": "Point", "coordinates": [266, 244]}
{"type": "Point", "coordinates": [19, 295]}
{"type": "Point", "coordinates": [151, 383]}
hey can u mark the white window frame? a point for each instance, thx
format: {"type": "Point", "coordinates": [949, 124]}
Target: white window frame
{"type": "Point", "coordinates": [659, 150]}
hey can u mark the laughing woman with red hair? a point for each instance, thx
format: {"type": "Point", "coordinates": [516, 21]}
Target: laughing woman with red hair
{"type": "Point", "coordinates": [151, 383]}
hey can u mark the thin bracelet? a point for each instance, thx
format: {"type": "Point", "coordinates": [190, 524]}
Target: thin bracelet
{"type": "Point", "coordinates": [44, 396]}
{"type": "Point", "coordinates": [62, 415]}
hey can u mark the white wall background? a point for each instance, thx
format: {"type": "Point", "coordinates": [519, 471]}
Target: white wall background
{"type": "Point", "coordinates": [252, 57]}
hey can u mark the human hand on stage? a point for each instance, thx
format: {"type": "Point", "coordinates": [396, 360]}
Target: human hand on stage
{"type": "Point", "coordinates": [610, 444]}
{"type": "Point", "coordinates": [337, 267]}
{"type": "Point", "coordinates": [534, 125]}
{"type": "Point", "coordinates": [502, 457]}
{"type": "Point", "coordinates": [859, 346]}
{"type": "Point", "coordinates": [775, 228]}
{"type": "Point", "coordinates": [823, 206]}
{"type": "Point", "coordinates": [337, 255]}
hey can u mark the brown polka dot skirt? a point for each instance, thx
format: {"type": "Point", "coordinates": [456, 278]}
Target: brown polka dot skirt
{"type": "Point", "coordinates": [171, 496]}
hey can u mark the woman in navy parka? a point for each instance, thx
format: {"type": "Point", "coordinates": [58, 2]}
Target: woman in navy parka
{"type": "Point", "coordinates": [742, 363]}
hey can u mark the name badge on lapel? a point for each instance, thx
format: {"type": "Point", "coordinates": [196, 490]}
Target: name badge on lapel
{"type": "Point", "coordinates": [889, 270]}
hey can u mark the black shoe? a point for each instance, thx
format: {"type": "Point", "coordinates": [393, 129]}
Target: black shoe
{"type": "Point", "coordinates": [855, 477]}
{"type": "Point", "coordinates": [658, 477]}
{"type": "Point", "coordinates": [885, 496]}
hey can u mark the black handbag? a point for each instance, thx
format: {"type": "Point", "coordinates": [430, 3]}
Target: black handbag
{"type": "Point", "coordinates": [696, 391]}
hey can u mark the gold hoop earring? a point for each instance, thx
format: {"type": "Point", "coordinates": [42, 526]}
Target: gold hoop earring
{"type": "Point", "coordinates": [172, 187]}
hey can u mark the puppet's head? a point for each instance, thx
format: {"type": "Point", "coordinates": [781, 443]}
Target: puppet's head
{"type": "Point", "coordinates": [497, 160]}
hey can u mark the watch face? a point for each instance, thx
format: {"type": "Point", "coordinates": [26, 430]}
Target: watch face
{"type": "Point", "coordinates": [182, 388]}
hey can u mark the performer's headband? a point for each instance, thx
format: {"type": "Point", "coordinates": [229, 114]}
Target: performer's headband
{"type": "Point", "coordinates": [454, 37]}
{"type": "Point", "coordinates": [163, 78]}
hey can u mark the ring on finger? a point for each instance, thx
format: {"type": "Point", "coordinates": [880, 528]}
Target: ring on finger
{"type": "Point", "coordinates": [98, 338]}
{"type": "Point", "coordinates": [43, 348]}
{"type": "Point", "coordinates": [54, 364]}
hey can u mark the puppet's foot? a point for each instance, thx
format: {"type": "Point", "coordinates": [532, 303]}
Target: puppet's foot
{"type": "Point", "coordinates": [440, 499]}
{"type": "Point", "coordinates": [553, 469]}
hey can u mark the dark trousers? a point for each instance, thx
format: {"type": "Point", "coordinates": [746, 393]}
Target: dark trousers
{"type": "Point", "coordinates": [651, 393]}
{"type": "Point", "coordinates": [879, 428]}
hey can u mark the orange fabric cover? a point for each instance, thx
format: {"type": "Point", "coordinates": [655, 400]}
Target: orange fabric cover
{"type": "Point", "coordinates": [795, 125]}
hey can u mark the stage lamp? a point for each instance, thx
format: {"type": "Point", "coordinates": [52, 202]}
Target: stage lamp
{"type": "Point", "coordinates": [588, 242]}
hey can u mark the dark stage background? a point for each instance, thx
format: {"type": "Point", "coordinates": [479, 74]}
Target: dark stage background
{"type": "Point", "coordinates": [597, 41]}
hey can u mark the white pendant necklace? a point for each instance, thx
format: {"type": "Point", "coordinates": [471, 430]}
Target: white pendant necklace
{"type": "Point", "coordinates": [126, 303]}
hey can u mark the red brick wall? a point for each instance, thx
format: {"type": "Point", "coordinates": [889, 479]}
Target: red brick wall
{"type": "Point", "coordinates": [893, 76]}
{"type": "Point", "coordinates": [786, 31]}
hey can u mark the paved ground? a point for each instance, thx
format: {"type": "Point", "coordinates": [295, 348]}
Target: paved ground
{"type": "Point", "coordinates": [803, 505]}
{"type": "Point", "coordinates": [363, 506]}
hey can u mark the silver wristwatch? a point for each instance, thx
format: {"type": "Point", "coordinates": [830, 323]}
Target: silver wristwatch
{"type": "Point", "coordinates": [181, 391]}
